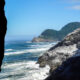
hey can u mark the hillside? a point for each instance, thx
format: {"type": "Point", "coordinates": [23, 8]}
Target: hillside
{"type": "Point", "coordinates": [54, 35]}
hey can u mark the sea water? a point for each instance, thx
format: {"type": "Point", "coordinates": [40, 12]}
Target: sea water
{"type": "Point", "coordinates": [20, 60]}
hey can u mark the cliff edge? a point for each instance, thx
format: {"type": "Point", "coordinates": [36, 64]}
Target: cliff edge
{"type": "Point", "coordinates": [59, 53]}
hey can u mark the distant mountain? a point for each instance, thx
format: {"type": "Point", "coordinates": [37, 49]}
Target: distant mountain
{"type": "Point", "coordinates": [54, 35]}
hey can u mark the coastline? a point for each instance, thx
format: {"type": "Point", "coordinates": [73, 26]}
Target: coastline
{"type": "Point", "coordinates": [22, 56]}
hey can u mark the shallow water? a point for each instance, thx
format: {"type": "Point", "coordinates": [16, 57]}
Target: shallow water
{"type": "Point", "coordinates": [20, 61]}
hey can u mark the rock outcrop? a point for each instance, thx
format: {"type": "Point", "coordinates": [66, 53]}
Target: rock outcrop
{"type": "Point", "coordinates": [69, 70]}
{"type": "Point", "coordinates": [61, 51]}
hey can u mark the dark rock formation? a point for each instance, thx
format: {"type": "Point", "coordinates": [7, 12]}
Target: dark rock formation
{"type": "Point", "coordinates": [61, 51]}
{"type": "Point", "coordinates": [3, 27]}
{"type": "Point", "coordinates": [69, 70]}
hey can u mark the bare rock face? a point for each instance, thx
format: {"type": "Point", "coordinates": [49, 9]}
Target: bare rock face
{"type": "Point", "coordinates": [61, 51]}
{"type": "Point", "coordinates": [69, 70]}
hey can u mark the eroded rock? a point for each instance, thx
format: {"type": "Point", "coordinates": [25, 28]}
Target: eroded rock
{"type": "Point", "coordinates": [61, 51]}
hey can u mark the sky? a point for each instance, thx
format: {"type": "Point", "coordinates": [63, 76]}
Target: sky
{"type": "Point", "coordinates": [28, 18]}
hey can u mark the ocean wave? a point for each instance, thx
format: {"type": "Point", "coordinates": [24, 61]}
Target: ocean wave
{"type": "Point", "coordinates": [27, 70]}
{"type": "Point", "coordinates": [28, 42]}
{"type": "Point", "coordinates": [33, 49]}
{"type": "Point", "coordinates": [27, 51]}
{"type": "Point", "coordinates": [8, 49]}
{"type": "Point", "coordinates": [42, 45]}
{"type": "Point", "coordinates": [25, 64]}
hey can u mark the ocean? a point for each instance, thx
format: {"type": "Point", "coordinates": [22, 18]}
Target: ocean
{"type": "Point", "coordinates": [20, 59]}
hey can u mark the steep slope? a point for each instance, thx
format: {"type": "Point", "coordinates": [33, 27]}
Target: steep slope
{"type": "Point", "coordinates": [69, 70]}
{"type": "Point", "coordinates": [68, 29]}
{"type": "Point", "coordinates": [61, 51]}
{"type": "Point", "coordinates": [53, 35]}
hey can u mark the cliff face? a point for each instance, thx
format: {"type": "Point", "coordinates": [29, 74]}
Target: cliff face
{"type": "Point", "coordinates": [61, 51]}
{"type": "Point", "coordinates": [53, 35]}
{"type": "Point", "coordinates": [69, 70]}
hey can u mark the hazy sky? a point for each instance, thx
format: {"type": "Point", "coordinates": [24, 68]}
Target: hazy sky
{"type": "Point", "coordinates": [30, 17]}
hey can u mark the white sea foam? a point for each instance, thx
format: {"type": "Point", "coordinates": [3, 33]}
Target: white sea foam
{"type": "Point", "coordinates": [43, 45]}
{"type": "Point", "coordinates": [8, 49]}
{"type": "Point", "coordinates": [26, 70]}
{"type": "Point", "coordinates": [28, 42]}
{"type": "Point", "coordinates": [30, 70]}
{"type": "Point", "coordinates": [37, 48]}
{"type": "Point", "coordinates": [27, 51]}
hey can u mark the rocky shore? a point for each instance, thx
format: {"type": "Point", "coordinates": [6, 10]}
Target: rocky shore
{"type": "Point", "coordinates": [41, 40]}
{"type": "Point", "coordinates": [63, 58]}
{"type": "Point", "coordinates": [69, 70]}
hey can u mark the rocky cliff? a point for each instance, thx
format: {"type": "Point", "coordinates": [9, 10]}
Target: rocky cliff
{"type": "Point", "coordinates": [69, 70]}
{"type": "Point", "coordinates": [59, 53]}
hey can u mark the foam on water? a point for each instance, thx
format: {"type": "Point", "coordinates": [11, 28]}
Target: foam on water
{"type": "Point", "coordinates": [24, 69]}
{"type": "Point", "coordinates": [37, 48]}
{"type": "Point", "coordinates": [42, 45]}
{"type": "Point", "coordinates": [8, 49]}
{"type": "Point", "coordinates": [27, 71]}
{"type": "Point", "coordinates": [27, 51]}
{"type": "Point", "coordinates": [28, 42]}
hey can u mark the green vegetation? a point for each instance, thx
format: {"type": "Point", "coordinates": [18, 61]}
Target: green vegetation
{"type": "Point", "coordinates": [59, 35]}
